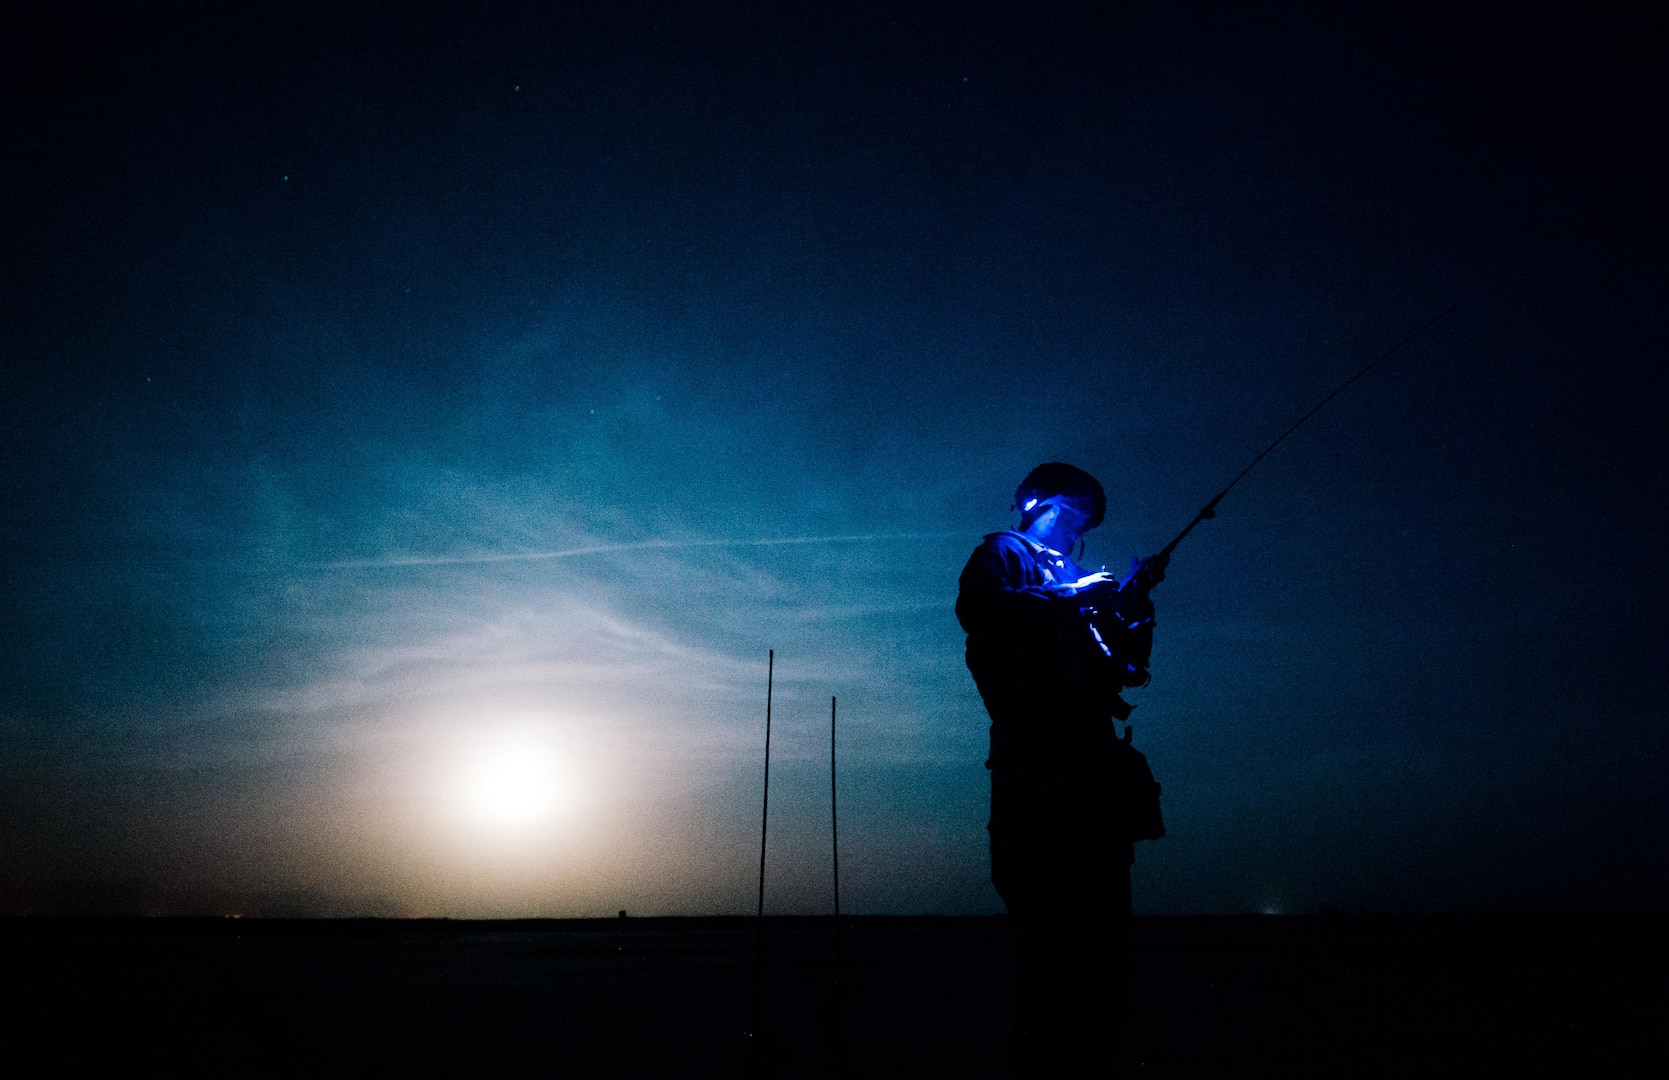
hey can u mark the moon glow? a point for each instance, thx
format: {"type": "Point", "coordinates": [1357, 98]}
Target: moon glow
{"type": "Point", "coordinates": [513, 781]}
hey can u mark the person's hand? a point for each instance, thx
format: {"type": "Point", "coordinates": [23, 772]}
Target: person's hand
{"type": "Point", "coordinates": [1090, 581]}
{"type": "Point", "coordinates": [1145, 574]}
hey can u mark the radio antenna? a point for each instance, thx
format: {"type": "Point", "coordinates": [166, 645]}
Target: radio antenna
{"type": "Point", "coordinates": [832, 1034]}
{"type": "Point", "coordinates": [755, 1065]}
{"type": "Point", "coordinates": [1210, 509]}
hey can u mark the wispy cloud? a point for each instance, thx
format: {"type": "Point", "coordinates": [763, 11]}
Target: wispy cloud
{"type": "Point", "coordinates": [641, 545]}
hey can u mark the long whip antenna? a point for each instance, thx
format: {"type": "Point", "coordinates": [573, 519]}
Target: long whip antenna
{"type": "Point", "coordinates": [1210, 509]}
{"type": "Point", "coordinates": [764, 820]}
{"type": "Point", "coordinates": [834, 822]}
{"type": "Point", "coordinates": [832, 1035]}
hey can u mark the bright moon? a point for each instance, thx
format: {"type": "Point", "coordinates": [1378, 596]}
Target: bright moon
{"type": "Point", "coordinates": [513, 780]}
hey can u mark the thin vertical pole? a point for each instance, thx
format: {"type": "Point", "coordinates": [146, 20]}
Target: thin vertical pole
{"type": "Point", "coordinates": [834, 822]}
{"type": "Point", "coordinates": [765, 805]}
{"type": "Point", "coordinates": [764, 820]}
{"type": "Point", "coordinates": [833, 1031]}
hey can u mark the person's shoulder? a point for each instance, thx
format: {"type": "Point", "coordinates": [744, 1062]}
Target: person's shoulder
{"type": "Point", "coordinates": [1006, 541]}
{"type": "Point", "coordinates": [1004, 546]}
{"type": "Point", "coordinates": [1010, 539]}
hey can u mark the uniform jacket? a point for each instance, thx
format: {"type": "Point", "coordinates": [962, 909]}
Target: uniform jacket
{"type": "Point", "coordinates": [1028, 639]}
{"type": "Point", "coordinates": [1052, 692]}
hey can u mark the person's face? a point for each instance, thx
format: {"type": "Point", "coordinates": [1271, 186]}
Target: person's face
{"type": "Point", "coordinates": [1061, 525]}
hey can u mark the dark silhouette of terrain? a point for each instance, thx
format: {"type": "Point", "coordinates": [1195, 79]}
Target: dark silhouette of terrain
{"type": "Point", "coordinates": [1339, 995]}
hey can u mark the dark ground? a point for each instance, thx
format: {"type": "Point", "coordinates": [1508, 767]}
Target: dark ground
{"type": "Point", "coordinates": [1341, 995]}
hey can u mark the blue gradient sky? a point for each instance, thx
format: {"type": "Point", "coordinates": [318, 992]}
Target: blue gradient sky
{"type": "Point", "coordinates": [388, 388]}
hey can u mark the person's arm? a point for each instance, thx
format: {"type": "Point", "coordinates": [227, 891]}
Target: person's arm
{"type": "Point", "coordinates": [1123, 617]}
{"type": "Point", "coordinates": [994, 595]}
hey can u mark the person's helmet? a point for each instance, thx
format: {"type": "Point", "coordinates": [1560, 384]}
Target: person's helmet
{"type": "Point", "coordinates": [1055, 480]}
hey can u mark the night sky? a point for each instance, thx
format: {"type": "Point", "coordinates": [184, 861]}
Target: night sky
{"type": "Point", "coordinates": [417, 428]}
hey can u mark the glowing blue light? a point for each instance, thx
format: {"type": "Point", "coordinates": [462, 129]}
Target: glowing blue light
{"type": "Point", "coordinates": [1099, 642]}
{"type": "Point", "coordinates": [1029, 504]}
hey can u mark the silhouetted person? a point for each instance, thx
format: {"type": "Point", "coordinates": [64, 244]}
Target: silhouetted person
{"type": "Point", "coordinates": [1050, 647]}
